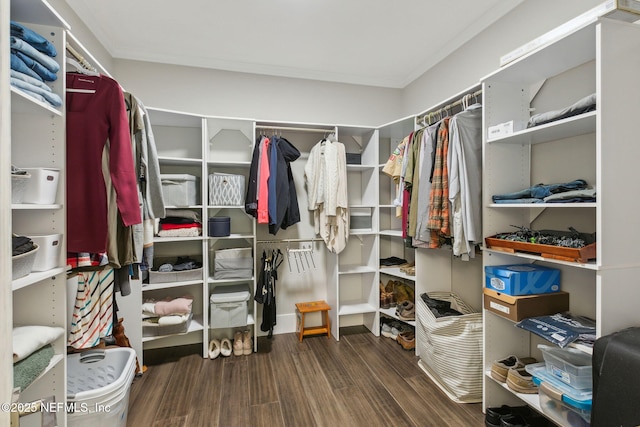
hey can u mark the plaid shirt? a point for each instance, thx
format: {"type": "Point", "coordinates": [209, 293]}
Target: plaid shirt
{"type": "Point", "coordinates": [438, 221]}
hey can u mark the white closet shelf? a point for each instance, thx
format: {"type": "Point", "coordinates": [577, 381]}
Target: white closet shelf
{"type": "Point", "coordinates": [393, 233]}
{"type": "Point", "coordinates": [561, 129]}
{"type": "Point", "coordinates": [24, 103]}
{"type": "Point", "coordinates": [243, 164]}
{"type": "Point", "coordinates": [588, 266]}
{"type": "Point", "coordinates": [391, 312]}
{"type": "Point", "coordinates": [543, 205]}
{"type": "Point", "coordinates": [232, 236]}
{"type": "Point", "coordinates": [361, 167]}
{"type": "Point", "coordinates": [169, 285]}
{"type": "Point", "coordinates": [355, 269]}
{"type": "Point", "coordinates": [184, 207]}
{"type": "Point", "coordinates": [532, 400]}
{"type": "Point", "coordinates": [194, 326]}
{"type": "Point", "coordinates": [176, 239]}
{"type": "Point", "coordinates": [395, 272]}
{"type": "Point", "coordinates": [35, 277]}
{"type": "Point", "coordinates": [348, 308]}
{"type": "Point", "coordinates": [214, 281]}
{"type": "Point", "coordinates": [178, 161]}
{"type": "Point", "coordinates": [34, 207]}
{"type": "Point", "coordinates": [549, 60]}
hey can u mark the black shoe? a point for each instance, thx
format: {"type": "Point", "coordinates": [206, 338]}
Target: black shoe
{"type": "Point", "coordinates": [493, 416]}
{"type": "Point", "coordinates": [514, 421]}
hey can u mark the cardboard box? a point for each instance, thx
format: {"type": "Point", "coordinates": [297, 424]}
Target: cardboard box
{"type": "Point", "coordinates": [517, 308]}
{"type": "Point", "coordinates": [522, 279]}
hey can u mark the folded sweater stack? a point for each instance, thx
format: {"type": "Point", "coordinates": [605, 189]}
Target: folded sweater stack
{"type": "Point", "coordinates": [170, 311]}
{"type": "Point", "coordinates": [180, 223]}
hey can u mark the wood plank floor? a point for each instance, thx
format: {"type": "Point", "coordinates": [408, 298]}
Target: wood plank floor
{"type": "Point", "coordinates": [363, 380]}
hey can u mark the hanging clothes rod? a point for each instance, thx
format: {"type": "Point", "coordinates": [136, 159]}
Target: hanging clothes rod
{"type": "Point", "coordinates": [421, 118]}
{"type": "Point", "coordinates": [296, 129]}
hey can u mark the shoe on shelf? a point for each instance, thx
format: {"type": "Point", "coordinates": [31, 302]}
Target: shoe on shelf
{"type": "Point", "coordinates": [521, 381]}
{"type": "Point", "coordinates": [493, 416]}
{"type": "Point", "coordinates": [390, 291]}
{"type": "Point", "coordinates": [406, 311]}
{"type": "Point", "coordinates": [407, 340]}
{"type": "Point", "coordinates": [247, 343]}
{"type": "Point", "coordinates": [225, 347]}
{"type": "Point", "coordinates": [500, 368]}
{"type": "Point", "coordinates": [392, 261]}
{"type": "Point", "coordinates": [214, 349]}
{"type": "Point", "coordinates": [385, 330]}
{"type": "Point", "coordinates": [238, 346]}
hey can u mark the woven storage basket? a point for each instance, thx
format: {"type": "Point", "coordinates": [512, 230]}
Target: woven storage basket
{"type": "Point", "coordinates": [451, 347]}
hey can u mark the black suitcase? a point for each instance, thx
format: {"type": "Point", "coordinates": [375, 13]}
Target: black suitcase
{"type": "Point", "coordinates": [616, 379]}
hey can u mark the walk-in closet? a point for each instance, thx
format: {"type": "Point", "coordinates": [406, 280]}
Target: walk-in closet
{"type": "Point", "coordinates": [242, 215]}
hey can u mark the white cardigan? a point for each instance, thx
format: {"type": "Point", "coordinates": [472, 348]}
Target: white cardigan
{"type": "Point", "coordinates": [326, 181]}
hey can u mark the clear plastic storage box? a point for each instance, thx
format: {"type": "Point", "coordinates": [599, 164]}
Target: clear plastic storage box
{"type": "Point", "coordinates": [562, 403]}
{"type": "Point", "coordinates": [569, 365]}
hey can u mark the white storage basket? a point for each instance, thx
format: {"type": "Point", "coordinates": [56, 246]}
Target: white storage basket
{"type": "Point", "coordinates": [226, 189]}
{"type": "Point", "coordinates": [450, 348]}
{"type": "Point", "coordinates": [178, 189]}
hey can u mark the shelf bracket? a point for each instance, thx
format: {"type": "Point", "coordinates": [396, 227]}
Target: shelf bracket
{"type": "Point", "coordinates": [534, 213]}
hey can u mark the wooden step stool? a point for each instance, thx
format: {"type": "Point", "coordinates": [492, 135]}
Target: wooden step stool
{"type": "Point", "coordinates": [303, 308]}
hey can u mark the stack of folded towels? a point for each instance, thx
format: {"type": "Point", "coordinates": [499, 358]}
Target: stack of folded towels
{"type": "Point", "coordinates": [32, 352]}
{"type": "Point", "coordinates": [32, 64]}
{"type": "Point", "coordinates": [166, 312]}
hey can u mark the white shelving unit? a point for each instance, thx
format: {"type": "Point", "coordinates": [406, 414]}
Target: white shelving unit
{"type": "Point", "coordinates": [391, 242]}
{"type": "Point", "coordinates": [35, 134]}
{"type": "Point", "coordinates": [355, 296]}
{"type": "Point", "coordinates": [229, 149]}
{"type": "Point", "coordinates": [179, 141]}
{"type": "Point", "coordinates": [598, 57]}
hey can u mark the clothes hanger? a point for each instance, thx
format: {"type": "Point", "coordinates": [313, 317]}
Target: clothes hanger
{"type": "Point", "coordinates": [80, 69]}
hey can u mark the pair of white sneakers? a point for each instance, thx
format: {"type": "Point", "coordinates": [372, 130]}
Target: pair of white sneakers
{"type": "Point", "coordinates": [242, 345]}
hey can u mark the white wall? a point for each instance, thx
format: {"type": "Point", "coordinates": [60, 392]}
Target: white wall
{"type": "Point", "coordinates": [83, 34]}
{"type": "Point", "coordinates": [222, 93]}
{"type": "Point", "coordinates": [481, 56]}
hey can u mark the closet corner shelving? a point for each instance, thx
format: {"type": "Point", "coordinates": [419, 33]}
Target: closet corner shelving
{"type": "Point", "coordinates": [36, 140]}
{"type": "Point", "coordinates": [229, 149]}
{"type": "Point", "coordinates": [355, 298]}
{"type": "Point", "coordinates": [391, 242]}
{"type": "Point", "coordinates": [179, 143]}
{"type": "Point", "coordinates": [598, 146]}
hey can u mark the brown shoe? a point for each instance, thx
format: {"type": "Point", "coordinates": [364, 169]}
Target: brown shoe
{"type": "Point", "coordinates": [500, 368]}
{"type": "Point", "coordinates": [407, 340]}
{"type": "Point", "coordinates": [406, 311]}
{"type": "Point", "coordinates": [521, 381]}
{"type": "Point", "coordinates": [390, 290]}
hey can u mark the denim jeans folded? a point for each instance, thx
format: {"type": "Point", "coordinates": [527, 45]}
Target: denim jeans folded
{"type": "Point", "coordinates": [39, 69]}
{"type": "Point", "coordinates": [50, 97]}
{"type": "Point", "coordinates": [541, 191]}
{"type": "Point", "coordinates": [522, 201]}
{"type": "Point", "coordinates": [48, 62]}
{"type": "Point", "coordinates": [19, 65]}
{"type": "Point", "coordinates": [26, 78]}
{"type": "Point", "coordinates": [33, 38]}
{"type": "Point", "coordinates": [32, 94]}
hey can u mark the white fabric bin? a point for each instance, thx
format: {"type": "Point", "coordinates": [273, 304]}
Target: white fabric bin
{"type": "Point", "coordinates": [42, 188]}
{"type": "Point", "coordinates": [98, 385]}
{"type": "Point", "coordinates": [236, 263]}
{"type": "Point", "coordinates": [48, 256]}
{"type": "Point", "coordinates": [229, 306]}
{"type": "Point", "coordinates": [178, 189]}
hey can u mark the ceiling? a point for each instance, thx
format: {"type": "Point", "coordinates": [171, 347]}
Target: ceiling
{"type": "Point", "coordinates": [387, 43]}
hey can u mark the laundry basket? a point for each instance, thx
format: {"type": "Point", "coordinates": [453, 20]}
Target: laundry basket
{"type": "Point", "coordinates": [98, 385]}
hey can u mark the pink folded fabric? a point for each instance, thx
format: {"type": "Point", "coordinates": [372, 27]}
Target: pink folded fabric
{"type": "Point", "coordinates": [174, 306]}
